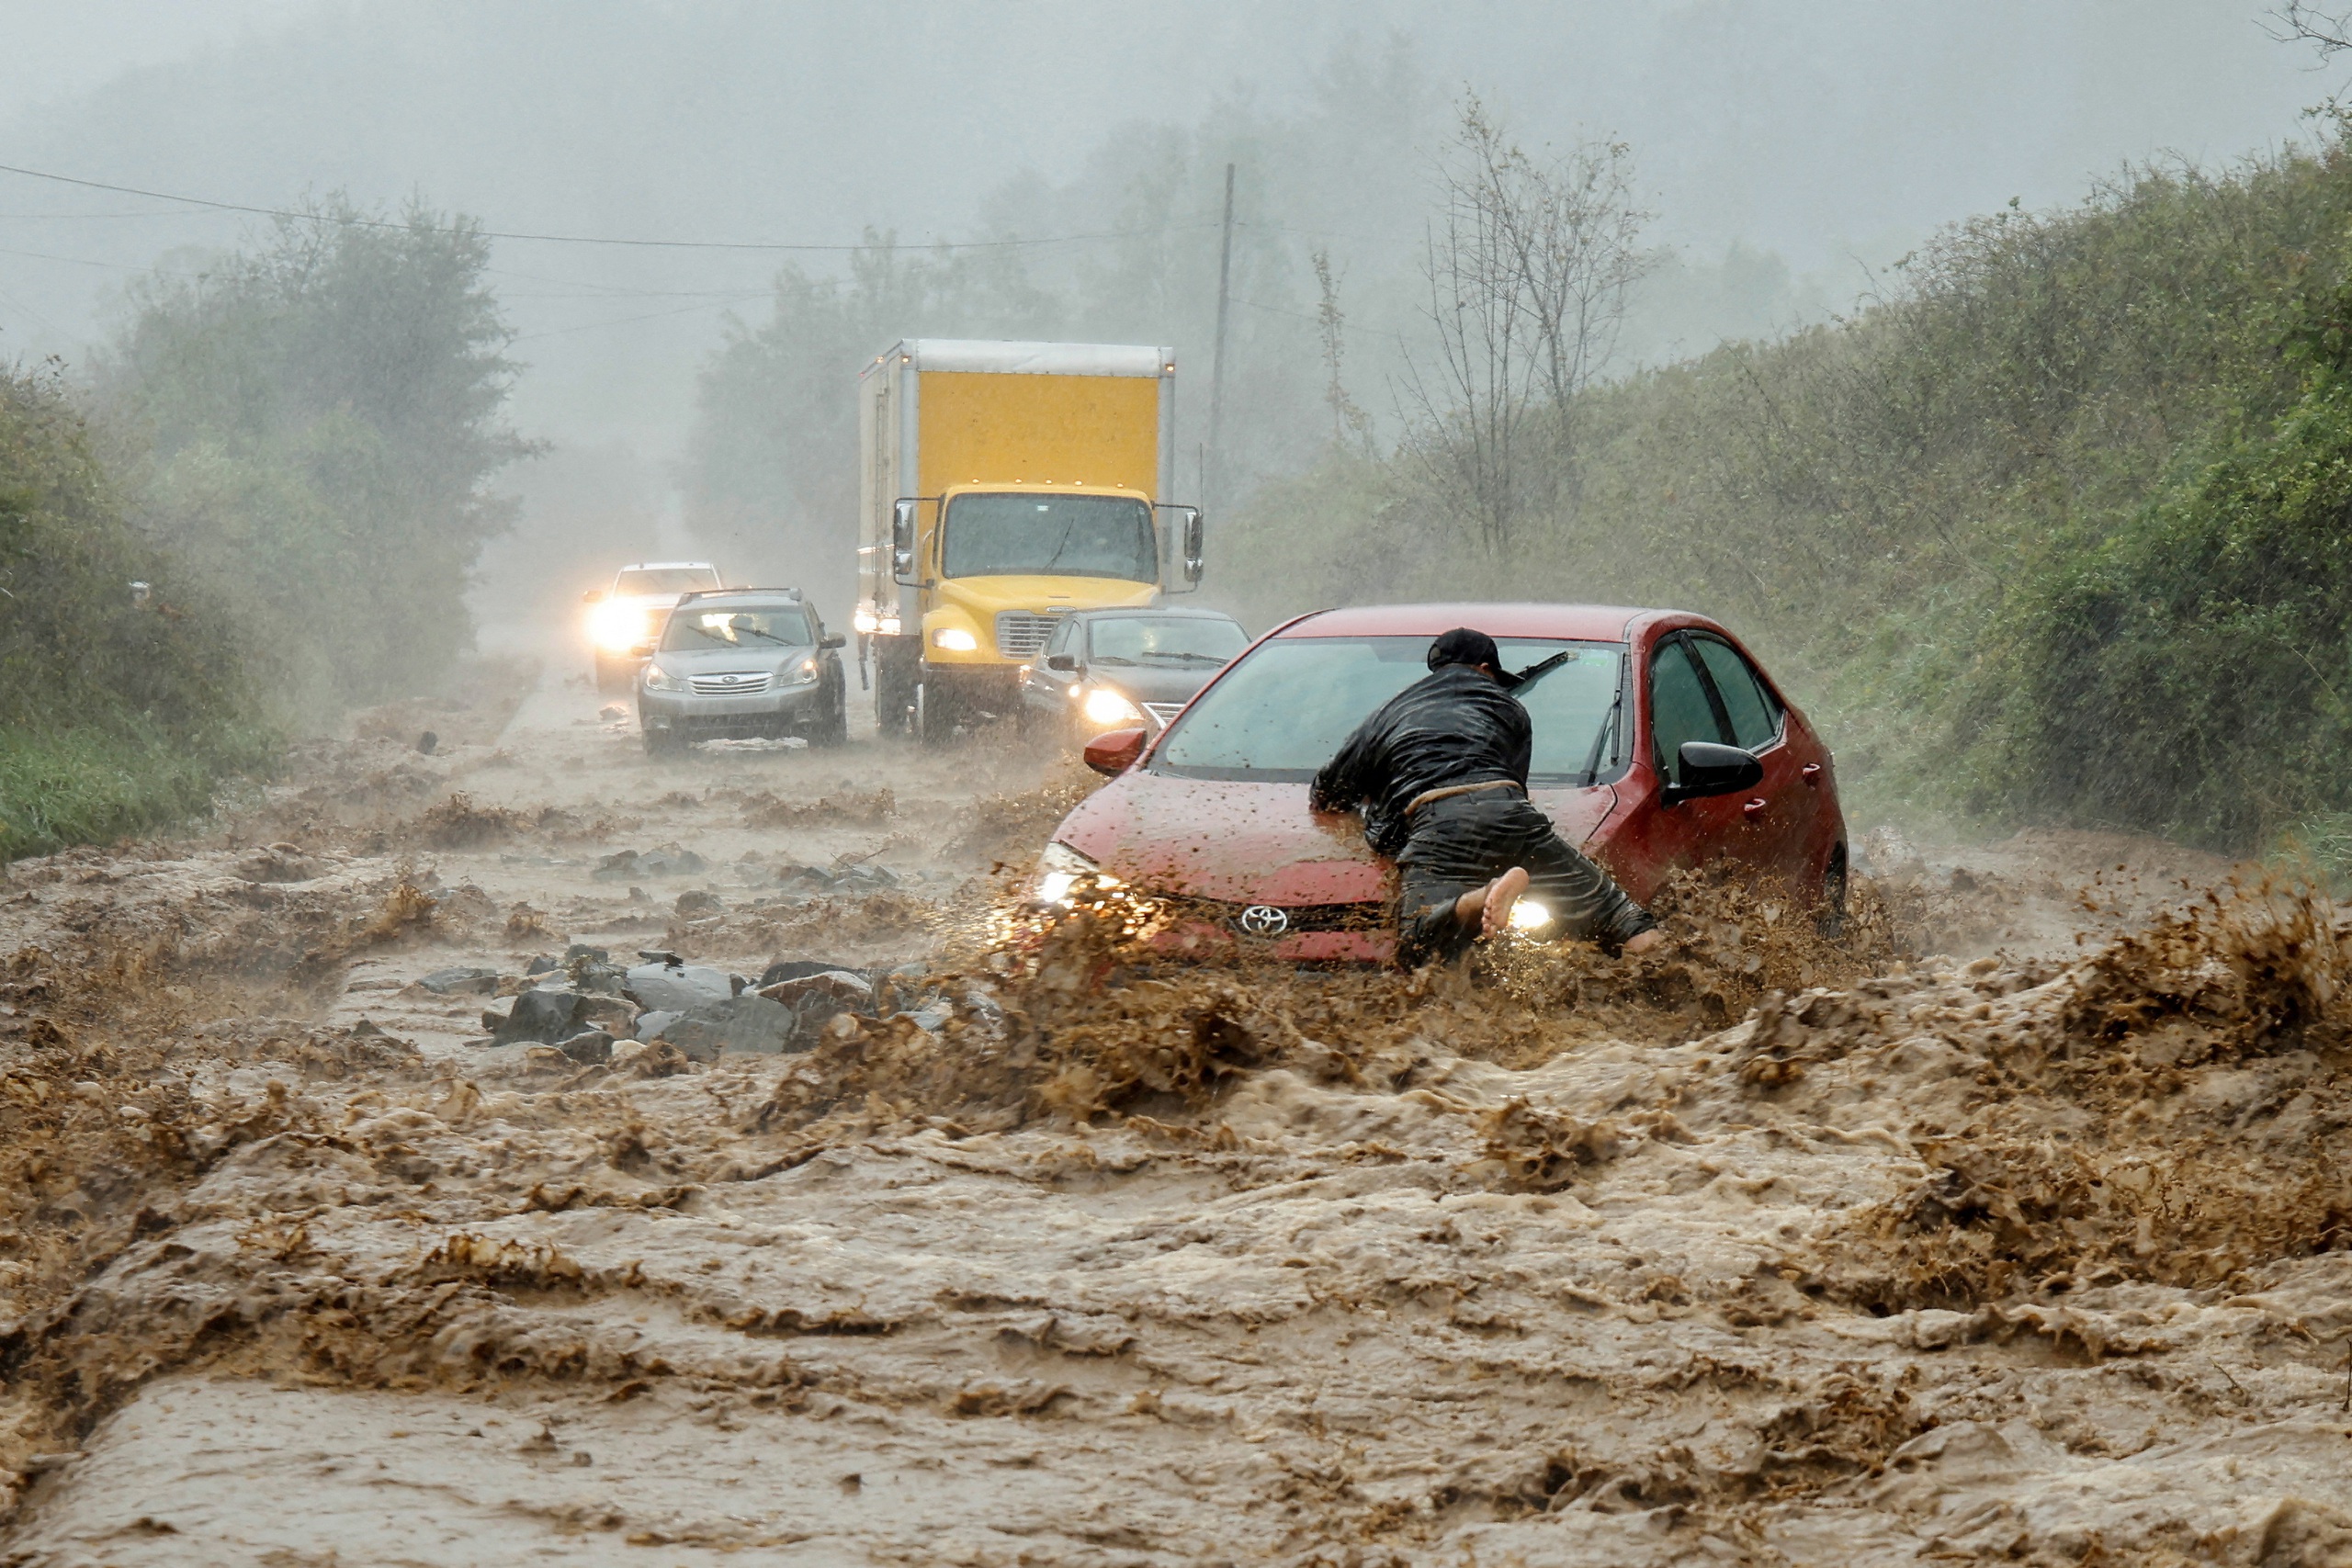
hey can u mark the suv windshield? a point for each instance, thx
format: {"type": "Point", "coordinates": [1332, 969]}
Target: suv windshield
{"type": "Point", "coordinates": [1281, 712]}
{"type": "Point", "coordinates": [665, 579]}
{"type": "Point", "coordinates": [747, 626]}
{"type": "Point", "coordinates": [1184, 641]}
{"type": "Point", "coordinates": [1028, 534]}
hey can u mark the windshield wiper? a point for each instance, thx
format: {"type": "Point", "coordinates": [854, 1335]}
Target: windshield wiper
{"type": "Point", "coordinates": [1608, 727]}
{"type": "Point", "coordinates": [1534, 672]}
{"type": "Point", "coordinates": [1112, 658]}
{"type": "Point", "coordinates": [1186, 658]}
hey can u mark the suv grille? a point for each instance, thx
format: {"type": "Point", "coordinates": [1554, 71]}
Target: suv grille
{"type": "Point", "coordinates": [1021, 633]}
{"type": "Point", "coordinates": [743, 683]}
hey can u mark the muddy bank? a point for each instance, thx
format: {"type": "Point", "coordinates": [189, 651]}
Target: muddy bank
{"type": "Point", "coordinates": [1770, 1251]}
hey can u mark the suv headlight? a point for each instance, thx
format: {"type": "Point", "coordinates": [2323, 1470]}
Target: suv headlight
{"type": "Point", "coordinates": [1059, 868]}
{"type": "Point", "coordinates": [798, 674]}
{"type": "Point", "coordinates": [1106, 708]}
{"type": "Point", "coordinates": [660, 680]}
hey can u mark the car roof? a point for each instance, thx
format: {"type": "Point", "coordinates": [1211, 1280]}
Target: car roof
{"type": "Point", "coordinates": [1582, 623]}
{"type": "Point", "coordinates": [700, 594]}
{"type": "Point", "coordinates": [669, 566]}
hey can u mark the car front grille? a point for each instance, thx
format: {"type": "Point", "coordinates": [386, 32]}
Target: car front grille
{"type": "Point", "coordinates": [1021, 633]}
{"type": "Point", "coordinates": [1162, 711]}
{"type": "Point", "coordinates": [741, 684]}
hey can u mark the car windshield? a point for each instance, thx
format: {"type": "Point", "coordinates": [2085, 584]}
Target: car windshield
{"type": "Point", "coordinates": [1178, 641]}
{"type": "Point", "coordinates": [1281, 712]}
{"type": "Point", "coordinates": [665, 579]}
{"type": "Point", "coordinates": [1050, 535]}
{"type": "Point", "coordinates": [695, 629]}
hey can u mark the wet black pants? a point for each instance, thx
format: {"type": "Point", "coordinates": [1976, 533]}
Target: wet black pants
{"type": "Point", "coordinates": [1465, 842]}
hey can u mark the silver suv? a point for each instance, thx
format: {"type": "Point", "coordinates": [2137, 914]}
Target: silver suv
{"type": "Point", "coordinates": [740, 663]}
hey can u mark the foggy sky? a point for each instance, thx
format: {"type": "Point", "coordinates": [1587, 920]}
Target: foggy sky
{"type": "Point", "coordinates": [1833, 133]}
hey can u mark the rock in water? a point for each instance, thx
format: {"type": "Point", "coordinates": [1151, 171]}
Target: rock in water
{"type": "Point", "coordinates": [676, 987]}
{"type": "Point", "coordinates": [464, 978]}
{"type": "Point", "coordinates": [736, 1026]}
{"type": "Point", "coordinates": [545, 1016]}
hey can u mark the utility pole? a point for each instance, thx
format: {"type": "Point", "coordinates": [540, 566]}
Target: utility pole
{"type": "Point", "coordinates": [1215, 495]}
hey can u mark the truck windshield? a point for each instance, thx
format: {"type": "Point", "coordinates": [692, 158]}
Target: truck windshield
{"type": "Point", "coordinates": [1049, 536]}
{"type": "Point", "coordinates": [1282, 712]}
{"type": "Point", "coordinates": [665, 580]}
{"type": "Point", "coordinates": [750, 627]}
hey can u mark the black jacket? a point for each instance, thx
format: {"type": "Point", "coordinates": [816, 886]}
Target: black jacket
{"type": "Point", "coordinates": [1455, 726]}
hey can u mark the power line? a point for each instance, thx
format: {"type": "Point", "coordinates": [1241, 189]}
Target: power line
{"type": "Point", "coordinates": [357, 221]}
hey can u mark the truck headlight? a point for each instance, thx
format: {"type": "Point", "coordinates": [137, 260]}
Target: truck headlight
{"type": "Point", "coordinates": [617, 628]}
{"type": "Point", "coordinates": [955, 640]}
{"type": "Point", "coordinates": [660, 680]}
{"type": "Point", "coordinates": [1107, 707]}
{"type": "Point", "coordinates": [1059, 868]}
{"type": "Point", "coordinates": [864, 621]}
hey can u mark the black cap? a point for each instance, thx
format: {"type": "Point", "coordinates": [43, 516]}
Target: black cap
{"type": "Point", "coordinates": [1462, 645]}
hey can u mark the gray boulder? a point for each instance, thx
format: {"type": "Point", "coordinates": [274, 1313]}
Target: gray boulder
{"type": "Point", "coordinates": [592, 1048]}
{"type": "Point", "coordinates": [464, 978]}
{"type": "Point", "coordinates": [736, 1026]}
{"type": "Point", "coordinates": [545, 1016]}
{"type": "Point", "coordinates": [676, 987]}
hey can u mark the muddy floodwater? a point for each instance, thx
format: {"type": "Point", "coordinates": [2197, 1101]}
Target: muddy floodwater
{"type": "Point", "coordinates": [2009, 1226]}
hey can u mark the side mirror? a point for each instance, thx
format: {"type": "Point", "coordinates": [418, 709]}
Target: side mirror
{"type": "Point", "coordinates": [593, 596]}
{"type": "Point", "coordinates": [1194, 559]}
{"type": "Point", "coordinates": [903, 539]}
{"type": "Point", "coordinates": [832, 639]}
{"type": "Point", "coordinates": [640, 650]}
{"type": "Point", "coordinates": [1114, 751]}
{"type": "Point", "coordinates": [1709, 769]}
{"type": "Point", "coordinates": [1065, 662]}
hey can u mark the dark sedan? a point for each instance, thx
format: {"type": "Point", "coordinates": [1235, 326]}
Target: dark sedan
{"type": "Point", "coordinates": [1111, 669]}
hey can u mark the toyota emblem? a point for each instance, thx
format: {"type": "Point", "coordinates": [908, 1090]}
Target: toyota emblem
{"type": "Point", "coordinates": [1264, 919]}
{"type": "Point", "coordinates": [730, 680]}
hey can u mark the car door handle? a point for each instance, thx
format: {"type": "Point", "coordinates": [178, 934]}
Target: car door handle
{"type": "Point", "coordinates": [1811, 773]}
{"type": "Point", "coordinates": [1756, 808]}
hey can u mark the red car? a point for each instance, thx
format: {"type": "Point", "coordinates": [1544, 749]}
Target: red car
{"type": "Point", "coordinates": [1658, 744]}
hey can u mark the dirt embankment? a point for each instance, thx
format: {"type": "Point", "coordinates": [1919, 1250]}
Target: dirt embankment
{"type": "Point", "coordinates": [1770, 1249]}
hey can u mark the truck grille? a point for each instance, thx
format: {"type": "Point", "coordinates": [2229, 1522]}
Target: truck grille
{"type": "Point", "coordinates": [1021, 633]}
{"type": "Point", "coordinates": [742, 683]}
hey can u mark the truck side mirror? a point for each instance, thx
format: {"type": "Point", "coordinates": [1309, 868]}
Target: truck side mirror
{"type": "Point", "coordinates": [1193, 561]}
{"type": "Point", "coordinates": [903, 539]}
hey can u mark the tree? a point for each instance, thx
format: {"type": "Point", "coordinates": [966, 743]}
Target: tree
{"type": "Point", "coordinates": [320, 417]}
{"type": "Point", "coordinates": [1528, 269]}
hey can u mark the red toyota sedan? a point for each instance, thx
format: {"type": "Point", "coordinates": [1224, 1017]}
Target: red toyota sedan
{"type": "Point", "coordinates": [1658, 744]}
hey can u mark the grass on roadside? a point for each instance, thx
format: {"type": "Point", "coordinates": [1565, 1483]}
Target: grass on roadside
{"type": "Point", "coordinates": [95, 786]}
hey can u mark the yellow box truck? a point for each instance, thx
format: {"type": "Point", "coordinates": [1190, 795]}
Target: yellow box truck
{"type": "Point", "coordinates": [1002, 485]}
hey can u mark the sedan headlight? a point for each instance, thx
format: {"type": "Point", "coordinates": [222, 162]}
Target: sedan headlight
{"type": "Point", "coordinates": [660, 680]}
{"type": "Point", "coordinates": [1107, 707]}
{"type": "Point", "coordinates": [1058, 870]}
{"type": "Point", "coordinates": [955, 640]}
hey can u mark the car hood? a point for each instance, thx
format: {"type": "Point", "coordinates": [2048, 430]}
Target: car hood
{"type": "Point", "coordinates": [696, 661]}
{"type": "Point", "coordinates": [1153, 683]}
{"type": "Point", "coordinates": [1254, 843]}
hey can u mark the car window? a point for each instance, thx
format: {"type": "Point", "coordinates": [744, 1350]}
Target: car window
{"type": "Point", "coordinates": [1283, 709]}
{"type": "Point", "coordinates": [1755, 717]}
{"type": "Point", "coordinates": [747, 626]}
{"type": "Point", "coordinates": [1680, 710]}
{"type": "Point", "coordinates": [1168, 642]}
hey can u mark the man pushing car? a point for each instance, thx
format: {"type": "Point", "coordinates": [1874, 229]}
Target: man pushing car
{"type": "Point", "coordinates": [1440, 774]}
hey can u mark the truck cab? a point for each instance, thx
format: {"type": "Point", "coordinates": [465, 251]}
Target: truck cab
{"type": "Point", "coordinates": [1006, 485]}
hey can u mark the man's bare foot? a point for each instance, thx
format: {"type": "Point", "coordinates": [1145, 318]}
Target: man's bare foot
{"type": "Point", "coordinates": [1490, 908]}
{"type": "Point", "coordinates": [1645, 942]}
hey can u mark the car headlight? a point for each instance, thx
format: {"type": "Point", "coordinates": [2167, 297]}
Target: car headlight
{"type": "Point", "coordinates": [1527, 915]}
{"type": "Point", "coordinates": [1105, 707]}
{"type": "Point", "coordinates": [955, 640]}
{"type": "Point", "coordinates": [660, 680]}
{"type": "Point", "coordinates": [800, 674]}
{"type": "Point", "coordinates": [617, 628]}
{"type": "Point", "coordinates": [864, 621]}
{"type": "Point", "coordinates": [1059, 868]}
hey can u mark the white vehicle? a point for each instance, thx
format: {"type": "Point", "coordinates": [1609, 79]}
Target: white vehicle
{"type": "Point", "coordinates": [622, 620]}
